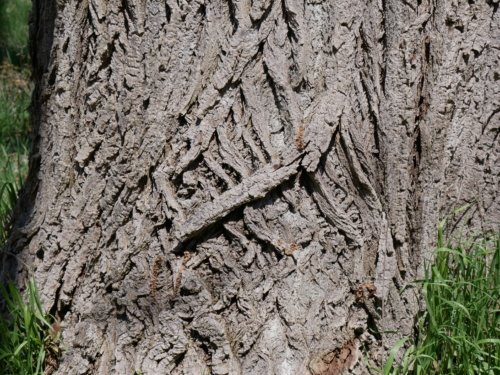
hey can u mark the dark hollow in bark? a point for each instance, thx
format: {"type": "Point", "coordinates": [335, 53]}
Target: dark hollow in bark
{"type": "Point", "coordinates": [245, 186]}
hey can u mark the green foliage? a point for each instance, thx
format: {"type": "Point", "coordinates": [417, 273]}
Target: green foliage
{"type": "Point", "coordinates": [460, 329]}
{"type": "Point", "coordinates": [14, 31]}
{"type": "Point", "coordinates": [25, 333]}
{"type": "Point", "coordinates": [26, 337]}
{"type": "Point", "coordinates": [14, 140]}
{"type": "Point", "coordinates": [15, 92]}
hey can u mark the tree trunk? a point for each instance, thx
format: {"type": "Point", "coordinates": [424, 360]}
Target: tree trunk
{"type": "Point", "coordinates": [218, 187]}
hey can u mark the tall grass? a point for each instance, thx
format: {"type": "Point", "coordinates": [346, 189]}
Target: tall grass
{"type": "Point", "coordinates": [14, 101]}
{"type": "Point", "coordinates": [26, 336]}
{"type": "Point", "coordinates": [28, 343]}
{"type": "Point", "coordinates": [460, 329]}
{"type": "Point", "coordinates": [15, 92]}
{"type": "Point", "coordinates": [14, 140]}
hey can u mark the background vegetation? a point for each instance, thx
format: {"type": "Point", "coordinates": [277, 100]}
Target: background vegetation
{"type": "Point", "coordinates": [28, 342]}
{"type": "Point", "coordinates": [15, 91]}
{"type": "Point", "coordinates": [14, 31]}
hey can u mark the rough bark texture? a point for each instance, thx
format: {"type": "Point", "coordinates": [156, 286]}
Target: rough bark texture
{"type": "Point", "coordinates": [216, 186]}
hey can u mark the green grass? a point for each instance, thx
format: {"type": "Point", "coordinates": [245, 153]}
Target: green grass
{"type": "Point", "coordinates": [26, 336]}
{"type": "Point", "coordinates": [14, 140]}
{"type": "Point", "coordinates": [15, 91]}
{"type": "Point", "coordinates": [27, 339]}
{"type": "Point", "coordinates": [14, 31]}
{"type": "Point", "coordinates": [460, 329]}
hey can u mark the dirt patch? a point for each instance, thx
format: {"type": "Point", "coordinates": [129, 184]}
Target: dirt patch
{"type": "Point", "coordinates": [336, 361]}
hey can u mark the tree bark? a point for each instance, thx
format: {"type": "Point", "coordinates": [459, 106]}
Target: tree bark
{"type": "Point", "coordinates": [218, 187]}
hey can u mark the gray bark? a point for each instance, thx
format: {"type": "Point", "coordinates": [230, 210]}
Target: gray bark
{"type": "Point", "coordinates": [216, 186]}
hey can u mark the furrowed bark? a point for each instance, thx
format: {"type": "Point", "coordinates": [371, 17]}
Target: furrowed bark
{"type": "Point", "coordinates": [215, 186]}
